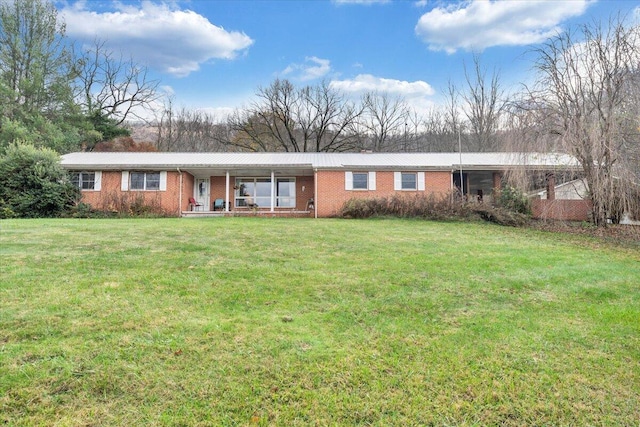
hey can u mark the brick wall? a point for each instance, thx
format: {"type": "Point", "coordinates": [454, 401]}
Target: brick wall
{"type": "Point", "coordinates": [332, 194]}
{"type": "Point", "coordinates": [564, 210]}
{"type": "Point", "coordinates": [111, 196]}
{"type": "Point", "coordinates": [438, 183]}
{"type": "Point", "coordinates": [187, 190]}
{"type": "Point", "coordinates": [218, 184]}
{"type": "Point", "coordinates": [110, 184]}
{"type": "Point", "coordinates": [302, 197]}
{"type": "Point", "coordinates": [331, 191]}
{"type": "Point", "coordinates": [497, 181]}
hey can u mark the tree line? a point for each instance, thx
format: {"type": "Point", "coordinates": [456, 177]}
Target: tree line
{"type": "Point", "coordinates": [321, 118]}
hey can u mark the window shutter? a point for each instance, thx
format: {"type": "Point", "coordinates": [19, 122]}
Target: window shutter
{"type": "Point", "coordinates": [125, 181]}
{"type": "Point", "coordinates": [372, 181]}
{"type": "Point", "coordinates": [348, 180]}
{"type": "Point", "coordinates": [397, 181]}
{"type": "Point", "coordinates": [97, 184]}
{"type": "Point", "coordinates": [420, 181]}
{"type": "Point", "coordinates": [163, 180]}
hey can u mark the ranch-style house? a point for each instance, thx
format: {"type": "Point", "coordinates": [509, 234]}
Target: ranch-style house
{"type": "Point", "coordinates": [302, 184]}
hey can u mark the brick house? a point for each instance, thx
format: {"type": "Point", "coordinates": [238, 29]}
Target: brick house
{"type": "Point", "coordinates": [293, 184]}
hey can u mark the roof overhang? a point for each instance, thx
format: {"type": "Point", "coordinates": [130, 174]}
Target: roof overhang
{"type": "Point", "coordinates": [251, 164]}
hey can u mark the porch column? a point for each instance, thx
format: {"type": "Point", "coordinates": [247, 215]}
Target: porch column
{"type": "Point", "coordinates": [551, 186]}
{"type": "Point", "coordinates": [315, 193]}
{"type": "Point", "coordinates": [273, 191]}
{"type": "Point", "coordinates": [226, 193]}
{"type": "Point", "coordinates": [180, 194]}
{"type": "Point", "coordinates": [497, 181]}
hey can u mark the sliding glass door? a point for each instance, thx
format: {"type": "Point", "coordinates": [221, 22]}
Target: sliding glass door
{"type": "Point", "coordinates": [250, 192]}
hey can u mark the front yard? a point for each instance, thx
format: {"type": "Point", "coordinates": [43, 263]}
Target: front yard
{"type": "Point", "coordinates": [254, 321]}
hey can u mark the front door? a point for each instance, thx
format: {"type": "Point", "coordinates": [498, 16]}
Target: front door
{"type": "Point", "coordinates": [202, 193]}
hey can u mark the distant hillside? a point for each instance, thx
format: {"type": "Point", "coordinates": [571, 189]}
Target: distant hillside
{"type": "Point", "coordinates": [143, 132]}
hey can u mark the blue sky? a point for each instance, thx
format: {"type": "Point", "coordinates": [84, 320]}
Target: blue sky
{"type": "Point", "coordinates": [213, 55]}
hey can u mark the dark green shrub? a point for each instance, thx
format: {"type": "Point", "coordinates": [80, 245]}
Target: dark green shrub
{"type": "Point", "coordinates": [512, 199]}
{"type": "Point", "coordinates": [6, 211]}
{"type": "Point", "coordinates": [33, 184]}
{"type": "Point", "coordinates": [82, 210]}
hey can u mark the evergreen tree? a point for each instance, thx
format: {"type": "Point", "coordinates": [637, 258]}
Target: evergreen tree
{"type": "Point", "coordinates": [33, 184]}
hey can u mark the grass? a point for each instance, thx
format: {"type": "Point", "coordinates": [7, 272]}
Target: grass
{"type": "Point", "coordinates": [249, 321]}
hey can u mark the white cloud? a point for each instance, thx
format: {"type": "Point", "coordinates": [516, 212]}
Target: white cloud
{"type": "Point", "coordinates": [367, 83]}
{"type": "Point", "coordinates": [478, 24]}
{"type": "Point", "coordinates": [172, 40]}
{"type": "Point", "coordinates": [636, 15]}
{"type": "Point", "coordinates": [416, 94]}
{"type": "Point", "coordinates": [167, 90]}
{"type": "Point", "coordinates": [312, 69]}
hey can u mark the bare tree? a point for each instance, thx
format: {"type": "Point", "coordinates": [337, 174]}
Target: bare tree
{"type": "Point", "coordinates": [454, 124]}
{"type": "Point", "coordinates": [285, 118]}
{"type": "Point", "coordinates": [485, 101]}
{"type": "Point", "coordinates": [164, 129]}
{"type": "Point", "coordinates": [413, 132]}
{"type": "Point", "coordinates": [584, 98]}
{"type": "Point", "coordinates": [439, 131]}
{"type": "Point", "coordinates": [188, 130]}
{"type": "Point", "coordinates": [112, 86]}
{"type": "Point", "coordinates": [330, 119]}
{"type": "Point", "coordinates": [386, 121]}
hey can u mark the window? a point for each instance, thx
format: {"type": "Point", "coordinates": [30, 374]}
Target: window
{"type": "Point", "coordinates": [257, 191]}
{"type": "Point", "coordinates": [409, 181]}
{"type": "Point", "coordinates": [360, 181]}
{"type": "Point", "coordinates": [86, 180]}
{"type": "Point", "coordinates": [152, 181]}
{"type": "Point", "coordinates": [286, 192]}
{"type": "Point", "coordinates": [145, 181]}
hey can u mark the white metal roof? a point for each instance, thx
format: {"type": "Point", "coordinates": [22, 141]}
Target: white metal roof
{"type": "Point", "coordinates": [155, 160]}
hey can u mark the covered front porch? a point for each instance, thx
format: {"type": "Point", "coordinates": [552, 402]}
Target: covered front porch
{"type": "Point", "coordinates": [251, 191]}
{"type": "Point", "coordinates": [477, 185]}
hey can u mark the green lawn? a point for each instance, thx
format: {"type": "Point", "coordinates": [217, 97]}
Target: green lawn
{"type": "Point", "coordinates": [249, 321]}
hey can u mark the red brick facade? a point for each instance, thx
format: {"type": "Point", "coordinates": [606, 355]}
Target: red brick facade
{"type": "Point", "coordinates": [327, 178]}
{"type": "Point", "coordinates": [497, 180]}
{"type": "Point", "coordinates": [564, 210]}
{"type": "Point", "coordinates": [330, 187]}
{"type": "Point", "coordinates": [329, 199]}
{"type": "Point", "coordinates": [111, 197]}
{"type": "Point", "coordinates": [332, 193]}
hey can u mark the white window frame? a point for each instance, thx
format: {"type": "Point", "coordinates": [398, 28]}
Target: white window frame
{"type": "Point", "coordinates": [126, 181]}
{"type": "Point", "coordinates": [280, 200]}
{"type": "Point", "coordinates": [371, 181]}
{"type": "Point", "coordinates": [241, 200]}
{"type": "Point", "coordinates": [397, 181]}
{"type": "Point", "coordinates": [97, 180]}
